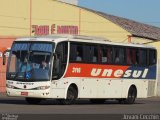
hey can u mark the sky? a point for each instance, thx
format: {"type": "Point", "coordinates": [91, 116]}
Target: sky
{"type": "Point", "coordinates": [144, 11]}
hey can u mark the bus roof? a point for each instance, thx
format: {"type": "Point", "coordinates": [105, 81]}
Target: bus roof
{"type": "Point", "coordinates": [79, 38]}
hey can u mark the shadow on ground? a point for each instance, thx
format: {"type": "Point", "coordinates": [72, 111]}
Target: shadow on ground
{"type": "Point", "coordinates": [54, 102]}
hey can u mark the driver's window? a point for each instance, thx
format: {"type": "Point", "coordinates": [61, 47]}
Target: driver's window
{"type": "Point", "coordinates": [60, 60]}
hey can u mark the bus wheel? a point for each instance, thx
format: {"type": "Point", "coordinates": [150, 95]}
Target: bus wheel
{"type": "Point", "coordinates": [97, 101]}
{"type": "Point", "coordinates": [132, 94]}
{"type": "Point", "coordinates": [33, 100]}
{"type": "Point", "coordinates": [72, 94]}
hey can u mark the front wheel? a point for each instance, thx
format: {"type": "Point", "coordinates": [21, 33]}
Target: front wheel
{"type": "Point", "coordinates": [33, 100]}
{"type": "Point", "coordinates": [72, 94]}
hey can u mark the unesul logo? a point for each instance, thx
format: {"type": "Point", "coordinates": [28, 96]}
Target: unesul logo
{"type": "Point", "coordinates": [119, 73]}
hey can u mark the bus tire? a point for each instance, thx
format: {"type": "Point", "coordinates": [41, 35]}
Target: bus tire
{"type": "Point", "coordinates": [97, 101]}
{"type": "Point", "coordinates": [72, 95]}
{"type": "Point", "coordinates": [132, 94]}
{"type": "Point", "coordinates": [33, 100]}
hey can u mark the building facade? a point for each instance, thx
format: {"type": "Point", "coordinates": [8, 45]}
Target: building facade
{"type": "Point", "coordinates": [43, 17]}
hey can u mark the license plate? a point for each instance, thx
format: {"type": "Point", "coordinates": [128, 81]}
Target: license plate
{"type": "Point", "coordinates": [24, 93]}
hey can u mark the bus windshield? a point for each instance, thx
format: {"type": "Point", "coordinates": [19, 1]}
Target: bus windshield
{"type": "Point", "coordinates": [30, 61]}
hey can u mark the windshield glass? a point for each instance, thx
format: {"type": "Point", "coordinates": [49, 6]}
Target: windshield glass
{"type": "Point", "coordinates": [30, 61]}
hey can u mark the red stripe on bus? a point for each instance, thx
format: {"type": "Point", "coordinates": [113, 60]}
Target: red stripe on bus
{"type": "Point", "coordinates": [95, 71]}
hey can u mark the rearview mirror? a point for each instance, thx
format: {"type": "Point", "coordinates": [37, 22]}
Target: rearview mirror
{"type": "Point", "coordinates": [4, 58]}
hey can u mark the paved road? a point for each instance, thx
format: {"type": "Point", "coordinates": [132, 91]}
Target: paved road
{"type": "Point", "coordinates": [18, 105]}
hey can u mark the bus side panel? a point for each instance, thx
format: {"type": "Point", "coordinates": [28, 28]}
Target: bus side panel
{"type": "Point", "coordinates": [113, 88]}
{"type": "Point", "coordinates": [88, 88]}
{"type": "Point", "coordinates": [58, 89]}
{"type": "Point", "coordinates": [58, 93]}
{"type": "Point", "coordinates": [100, 88]}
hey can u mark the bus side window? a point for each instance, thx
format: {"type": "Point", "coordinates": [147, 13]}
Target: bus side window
{"type": "Point", "coordinates": [103, 52]}
{"type": "Point", "coordinates": [152, 57]}
{"type": "Point", "coordinates": [109, 54]}
{"type": "Point", "coordinates": [137, 57]}
{"type": "Point", "coordinates": [116, 55]}
{"type": "Point", "coordinates": [76, 52]}
{"type": "Point", "coordinates": [95, 54]}
{"type": "Point", "coordinates": [90, 53]}
{"type": "Point", "coordinates": [79, 53]}
{"type": "Point", "coordinates": [119, 55]}
{"type": "Point", "coordinates": [134, 57]}
{"type": "Point", "coordinates": [143, 57]}
{"type": "Point", "coordinates": [73, 49]}
{"type": "Point", "coordinates": [129, 56]}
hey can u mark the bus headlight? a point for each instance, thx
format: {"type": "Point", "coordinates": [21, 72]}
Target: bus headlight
{"type": "Point", "coordinates": [43, 87]}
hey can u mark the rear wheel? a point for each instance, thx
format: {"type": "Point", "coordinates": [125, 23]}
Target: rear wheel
{"type": "Point", "coordinates": [33, 100]}
{"type": "Point", "coordinates": [72, 95]}
{"type": "Point", "coordinates": [97, 101]}
{"type": "Point", "coordinates": [132, 94]}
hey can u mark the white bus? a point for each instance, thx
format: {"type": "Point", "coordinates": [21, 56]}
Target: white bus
{"type": "Point", "coordinates": [67, 68]}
